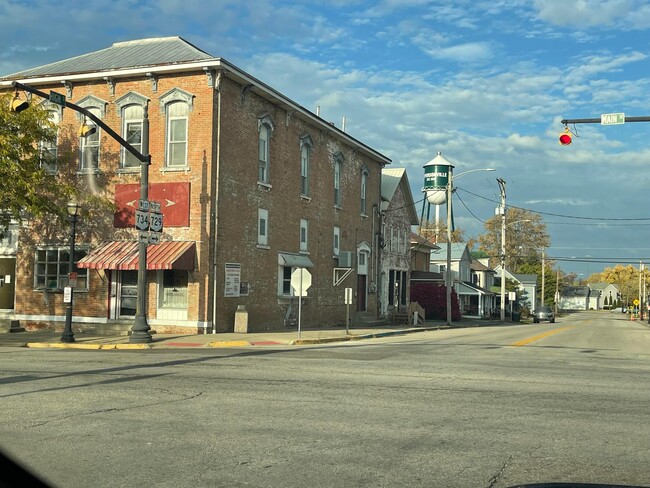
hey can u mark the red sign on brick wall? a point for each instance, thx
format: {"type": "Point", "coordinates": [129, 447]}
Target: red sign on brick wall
{"type": "Point", "coordinates": [174, 199]}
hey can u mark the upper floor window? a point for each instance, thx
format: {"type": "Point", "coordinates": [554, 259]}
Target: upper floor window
{"type": "Point", "coordinates": [304, 234]}
{"type": "Point", "coordinates": [263, 164]}
{"type": "Point", "coordinates": [176, 141]}
{"type": "Point", "coordinates": [337, 241]}
{"type": "Point", "coordinates": [305, 156]}
{"type": "Point", "coordinates": [364, 190]}
{"type": "Point", "coordinates": [132, 133]}
{"type": "Point", "coordinates": [265, 127]}
{"type": "Point", "coordinates": [90, 145]}
{"type": "Point", "coordinates": [338, 167]}
{"type": "Point", "coordinates": [131, 107]}
{"type": "Point", "coordinates": [262, 227]}
{"type": "Point", "coordinates": [49, 149]}
{"type": "Point", "coordinates": [176, 105]}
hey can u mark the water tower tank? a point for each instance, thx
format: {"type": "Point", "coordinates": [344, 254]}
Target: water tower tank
{"type": "Point", "coordinates": [436, 177]}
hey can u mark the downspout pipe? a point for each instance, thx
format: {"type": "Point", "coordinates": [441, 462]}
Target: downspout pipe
{"type": "Point", "coordinates": [217, 87]}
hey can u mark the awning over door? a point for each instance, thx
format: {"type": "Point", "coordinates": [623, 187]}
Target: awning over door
{"type": "Point", "coordinates": [123, 255]}
{"type": "Point", "coordinates": [294, 260]}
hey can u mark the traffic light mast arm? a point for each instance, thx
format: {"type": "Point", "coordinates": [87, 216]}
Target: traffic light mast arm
{"type": "Point", "coordinates": [141, 157]}
{"type": "Point", "coordinates": [598, 121]}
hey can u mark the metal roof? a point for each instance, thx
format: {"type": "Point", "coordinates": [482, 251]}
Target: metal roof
{"type": "Point", "coordinates": [165, 56]}
{"type": "Point", "coordinates": [391, 178]}
{"type": "Point", "coordinates": [129, 54]}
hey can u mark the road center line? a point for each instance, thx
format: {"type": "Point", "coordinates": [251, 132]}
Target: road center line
{"type": "Point", "coordinates": [541, 336]}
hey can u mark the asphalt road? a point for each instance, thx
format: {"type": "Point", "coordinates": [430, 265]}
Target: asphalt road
{"type": "Point", "coordinates": [478, 407]}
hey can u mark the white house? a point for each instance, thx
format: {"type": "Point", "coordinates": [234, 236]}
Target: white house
{"type": "Point", "coordinates": [526, 284]}
{"type": "Point", "coordinates": [603, 295]}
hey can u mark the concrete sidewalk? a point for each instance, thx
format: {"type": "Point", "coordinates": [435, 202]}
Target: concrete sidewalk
{"type": "Point", "coordinates": [51, 339]}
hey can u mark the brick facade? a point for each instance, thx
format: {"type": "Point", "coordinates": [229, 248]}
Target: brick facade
{"type": "Point", "coordinates": [226, 109]}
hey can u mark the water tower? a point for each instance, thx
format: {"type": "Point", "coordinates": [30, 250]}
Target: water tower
{"type": "Point", "coordinates": [436, 178]}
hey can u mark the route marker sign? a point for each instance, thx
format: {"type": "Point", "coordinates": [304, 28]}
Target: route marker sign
{"type": "Point", "coordinates": [612, 119]}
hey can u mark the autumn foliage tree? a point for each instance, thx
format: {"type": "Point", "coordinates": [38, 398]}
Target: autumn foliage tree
{"type": "Point", "coordinates": [30, 192]}
{"type": "Point", "coordinates": [27, 189]}
{"type": "Point", "coordinates": [626, 279]}
{"type": "Point", "coordinates": [526, 238]}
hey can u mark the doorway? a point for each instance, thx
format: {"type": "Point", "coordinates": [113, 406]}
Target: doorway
{"type": "Point", "coordinates": [124, 294]}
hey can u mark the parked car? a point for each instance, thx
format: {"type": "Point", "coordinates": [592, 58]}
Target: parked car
{"type": "Point", "coordinates": [543, 313]}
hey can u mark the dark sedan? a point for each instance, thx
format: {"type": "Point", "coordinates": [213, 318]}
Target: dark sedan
{"type": "Point", "coordinates": [543, 313]}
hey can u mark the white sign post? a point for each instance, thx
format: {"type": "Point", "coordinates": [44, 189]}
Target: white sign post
{"type": "Point", "coordinates": [348, 302]}
{"type": "Point", "coordinates": [300, 281]}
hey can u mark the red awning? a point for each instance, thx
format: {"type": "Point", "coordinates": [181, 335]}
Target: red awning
{"type": "Point", "coordinates": [123, 255]}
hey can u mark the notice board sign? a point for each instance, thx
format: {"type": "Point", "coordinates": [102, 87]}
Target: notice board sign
{"type": "Point", "coordinates": [233, 280]}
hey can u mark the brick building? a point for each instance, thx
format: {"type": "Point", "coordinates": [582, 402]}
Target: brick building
{"type": "Point", "coordinates": [251, 184]}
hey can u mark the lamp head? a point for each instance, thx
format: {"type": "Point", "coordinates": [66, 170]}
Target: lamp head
{"type": "Point", "coordinates": [73, 208]}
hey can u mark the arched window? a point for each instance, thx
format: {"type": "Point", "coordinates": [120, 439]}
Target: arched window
{"type": "Point", "coordinates": [176, 150]}
{"type": "Point", "coordinates": [176, 105]}
{"type": "Point", "coordinates": [364, 191]}
{"type": "Point", "coordinates": [265, 127]}
{"type": "Point", "coordinates": [338, 168]}
{"type": "Point", "coordinates": [263, 166]}
{"type": "Point", "coordinates": [130, 108]}
{"type": "Point", "coordinates": [90, 145]}
{"type": "Point", "coordinates": [132, 116]}
{"type": "Point", "coordinates": [49, 149]}
{"type": "Point", "coordinates": [305, 156]}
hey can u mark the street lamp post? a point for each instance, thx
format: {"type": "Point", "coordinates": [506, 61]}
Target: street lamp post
{"type": "Point", "coordinates": [448, 275]}
{"type": "Point", "coordinates": [68, 334]}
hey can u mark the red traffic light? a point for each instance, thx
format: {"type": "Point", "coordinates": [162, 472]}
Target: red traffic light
{"type": "Point", "coordinates": [566, 137]}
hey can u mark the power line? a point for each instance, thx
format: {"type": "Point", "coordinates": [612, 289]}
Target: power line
{"type": "Point", "coordinates": [600, 219]}
{"type": "Point", "coordinates": [471, 213]}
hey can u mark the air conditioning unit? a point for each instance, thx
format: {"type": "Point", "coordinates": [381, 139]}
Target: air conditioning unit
{"type": "Point", "coordinates": [345, 259]}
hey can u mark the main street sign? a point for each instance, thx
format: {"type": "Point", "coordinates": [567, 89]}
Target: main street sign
{"type": "Point", "coordinates": [58, 98]}
{"type": "Point", "coordinates": [612, 119]}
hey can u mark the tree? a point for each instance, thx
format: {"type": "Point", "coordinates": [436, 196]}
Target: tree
{"type": "Point", "coordinates": [28, 190]}
{"type": "Point", "coordinates": [526, 237]}
{"type": "Point", "coordinates": [626, 279]}
{"type": "Point", "coordinates": [438, 233]}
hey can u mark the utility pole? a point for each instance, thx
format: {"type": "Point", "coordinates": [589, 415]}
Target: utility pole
{"type": "Point", "coordinates": [641, 268]}
{"type": "Point", "coordinates": [502, 211]}
{"type": "Point", "coordinates": [557, 289]}
{"type": "Point", "coordinates": [543, 276]}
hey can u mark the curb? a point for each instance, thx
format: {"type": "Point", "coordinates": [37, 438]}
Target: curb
{"type": "Point", "coordinates": [326, 340]}
{"type": "Point", "coordinates": [225, 344]}
{"type": "Point", "coordinates": [89, 345]}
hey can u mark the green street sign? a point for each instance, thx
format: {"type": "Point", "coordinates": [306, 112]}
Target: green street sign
{"type": "Point", "coordinates": [57, 98]}
{"type": "Point", "coordinates": [612, 119]}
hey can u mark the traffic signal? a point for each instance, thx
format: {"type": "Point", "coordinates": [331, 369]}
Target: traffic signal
{"type": "Point", "coordinates": [17, 105]}
{"type": "Point", "coordinates": [566, 137]}
{"type": "Point", "coordinates": [87, 130]}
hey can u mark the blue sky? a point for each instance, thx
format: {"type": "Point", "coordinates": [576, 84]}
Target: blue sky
{"type": "Point", "coordinates": [484, 82]}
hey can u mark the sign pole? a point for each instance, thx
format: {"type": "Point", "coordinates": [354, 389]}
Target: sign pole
{"type": "Point", "coordinates": [300, 305]}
